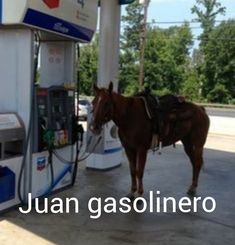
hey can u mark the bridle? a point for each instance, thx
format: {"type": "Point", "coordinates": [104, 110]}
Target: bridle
{"type": "Point", "coordinates": [108, 108]}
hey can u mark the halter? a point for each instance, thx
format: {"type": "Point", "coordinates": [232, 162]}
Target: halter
{"type": "Point", "coordinates": [109, 108]}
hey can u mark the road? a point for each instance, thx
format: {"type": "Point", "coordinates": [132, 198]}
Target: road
{"type": "Point", "coordinates": [220, 112]}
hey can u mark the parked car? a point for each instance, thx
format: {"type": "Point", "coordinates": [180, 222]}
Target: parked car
{"type": "Point", "coordinates": [83, 108]}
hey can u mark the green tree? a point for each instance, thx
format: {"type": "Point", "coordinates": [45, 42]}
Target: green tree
{"type": "Point", "coordinates": [207, 11]}
{"type": "Point", "coordinates": [167, 58]}
{"type": "Point", "coordinates": [88, 66]}
{"type": "Point", "coordinates": [130, 44]}
{"type": "Point", "coordinates": [128, 78]}
{"type": "Point", "coordinates": [191, 87]}
{"type": "Point", "coordinates": [133, 23]}
{"type": "Point", "coordinates": [166, 55]}
{"type": "Point", "coordinates": [220, 60]}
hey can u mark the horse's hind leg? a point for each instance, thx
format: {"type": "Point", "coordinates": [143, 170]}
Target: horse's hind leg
{"type": "Point", "coordinates": [197, 165]}
{"type": "Point", "coordinates": [131, 155]}
{"type": "Point", "coordinates": [195, 156]}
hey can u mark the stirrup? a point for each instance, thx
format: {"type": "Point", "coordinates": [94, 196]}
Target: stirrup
{"type": "Point", "coordinates": [160, 148]}
{"type": "Point", "coordinates": [155, 142]}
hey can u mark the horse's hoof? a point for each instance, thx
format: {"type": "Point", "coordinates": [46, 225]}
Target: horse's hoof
{"type": "Point", "coordinates": [139, 203]}
{"type": "Point", "coordinates": [191, 192]}
{"type": "Point", "coordinates": [131, 196]}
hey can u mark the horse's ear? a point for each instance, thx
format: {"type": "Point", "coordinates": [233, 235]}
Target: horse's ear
{"type": "Point", "coordinates": [95, 88]}
{"type": "Point", "coordinates": [110, 87]}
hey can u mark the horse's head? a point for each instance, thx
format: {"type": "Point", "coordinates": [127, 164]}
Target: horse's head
{"type": "Point", "coordinates": [102, 108]}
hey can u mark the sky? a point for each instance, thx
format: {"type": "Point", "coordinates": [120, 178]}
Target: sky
{"type": "Point", "coordinates": [180, 10]}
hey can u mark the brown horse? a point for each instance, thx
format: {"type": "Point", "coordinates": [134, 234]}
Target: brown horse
{"type": "Point", "coordinates": [135, 132]}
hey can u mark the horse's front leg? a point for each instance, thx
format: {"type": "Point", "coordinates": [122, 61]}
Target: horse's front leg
{"type": "Point", "coordinates": [141, 160]}
{"type": "Point", "coordinates": [131, 155]}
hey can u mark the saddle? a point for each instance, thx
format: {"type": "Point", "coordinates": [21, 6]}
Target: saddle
{"type": "Point", "coordinates": [163, 112]}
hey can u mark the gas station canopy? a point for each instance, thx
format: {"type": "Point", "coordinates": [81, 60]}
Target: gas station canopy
{"type": "Point", "coordinates": [73, 19]}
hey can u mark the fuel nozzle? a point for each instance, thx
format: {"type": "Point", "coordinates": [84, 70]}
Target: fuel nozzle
{"type": "Point", "coordinates": [49, 138]}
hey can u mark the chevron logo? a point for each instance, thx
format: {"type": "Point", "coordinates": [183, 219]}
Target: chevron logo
{"type": "Point", "coordinates": [52, 4]}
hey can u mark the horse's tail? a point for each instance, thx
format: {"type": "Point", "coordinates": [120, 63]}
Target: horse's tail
{"type": "Point", "coordinates": [203, 161]}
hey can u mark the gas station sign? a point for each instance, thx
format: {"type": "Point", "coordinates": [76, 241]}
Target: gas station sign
{"type": "Point", "coordinates": [52, 3]}
{"type": "Point", "coordinates": [72, 18]}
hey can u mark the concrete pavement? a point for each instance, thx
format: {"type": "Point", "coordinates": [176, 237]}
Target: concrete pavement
{"type": "Point", "coordinates": [169, 173]}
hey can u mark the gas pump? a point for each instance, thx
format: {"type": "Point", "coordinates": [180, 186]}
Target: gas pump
{"type": "Point", "coordinates": [38, 139]}
{"type": "Point", "coordinates": [54, 115]}
{"type": "Point", "coordinates": [12, 135]}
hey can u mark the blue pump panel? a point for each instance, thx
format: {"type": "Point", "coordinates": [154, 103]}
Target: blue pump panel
{"type": "Point", "coordinates": [7, 184]}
